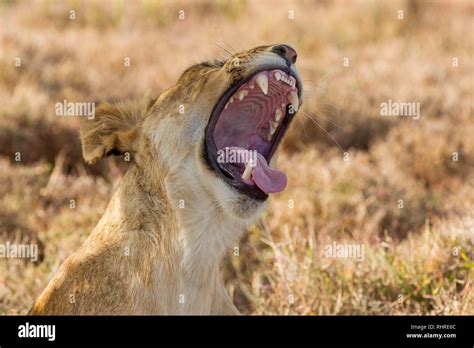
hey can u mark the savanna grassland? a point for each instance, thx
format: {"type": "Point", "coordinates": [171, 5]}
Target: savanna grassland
{"type": "Point", "coordinates": [402, 188]}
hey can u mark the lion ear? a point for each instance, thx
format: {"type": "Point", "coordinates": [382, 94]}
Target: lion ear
{"type": "Point", "coordinates": [114, 130]}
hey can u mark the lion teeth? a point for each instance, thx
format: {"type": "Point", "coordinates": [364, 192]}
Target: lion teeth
{"type": "Point", "coordinates": [277, 76]}
{"type": "Point", "coordinates": [262, 82]}
{"type": "Point", "coordinates": [243, 94]}
{"type": "Point", "coordinates": [292, 82]}
{"type": "Point", "coordinates": [278, 115]}
{"type": "Point", "coordinates": [226, 105]}
{"type": "Point", "coordinates": [274, 126]}
{"type": "Point", "coordinates": [294, 101]}
{"type": "Point", "coordinates": [272, 129]}
{"type": "Point", "coordinates": [248, 170]}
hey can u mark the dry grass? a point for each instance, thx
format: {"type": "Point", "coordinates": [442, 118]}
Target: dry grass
{"type": "Point", "coordinates": [418, 259]}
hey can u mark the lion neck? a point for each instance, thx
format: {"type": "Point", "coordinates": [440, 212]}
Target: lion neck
{"type": "Point", "coordinates": [190, 233]}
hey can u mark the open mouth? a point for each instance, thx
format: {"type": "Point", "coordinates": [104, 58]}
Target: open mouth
{"type": "Point", "coordinates": [245, 128]}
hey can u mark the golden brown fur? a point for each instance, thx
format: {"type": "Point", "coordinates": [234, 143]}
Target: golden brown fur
{"type": "Point", "coordinates": [149, 254]}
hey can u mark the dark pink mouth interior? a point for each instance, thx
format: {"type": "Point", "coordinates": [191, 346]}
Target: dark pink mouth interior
{"type": "Point", "coordinates": [252, 119]}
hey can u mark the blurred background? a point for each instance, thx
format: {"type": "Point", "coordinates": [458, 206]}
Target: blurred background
{"type": "Point", "coordinates": [401, 188]}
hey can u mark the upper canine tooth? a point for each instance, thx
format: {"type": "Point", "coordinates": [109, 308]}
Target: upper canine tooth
{"type": "Point", "coordinates": [293, 99]}
{"type": "Point", "coordinates": [243, 94]}
{"type": "Point", "coordinates": [277, 76]}
{"type": "Point", "coordinates": [262, 82]}
{"type": "Point", "coordinates": [278, 115]}
{"type": "Point", "coordinates": [248, 170]}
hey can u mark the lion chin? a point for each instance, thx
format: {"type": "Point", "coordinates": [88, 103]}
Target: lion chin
{"type": "Point", "coordinates": [202, 166]}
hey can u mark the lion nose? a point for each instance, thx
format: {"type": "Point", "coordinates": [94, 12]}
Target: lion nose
{"type": "Point", "coordinates": [286, 52]}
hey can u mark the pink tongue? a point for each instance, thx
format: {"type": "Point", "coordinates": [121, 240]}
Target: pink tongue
{"type": "Point", "coordinates": [267, 179]}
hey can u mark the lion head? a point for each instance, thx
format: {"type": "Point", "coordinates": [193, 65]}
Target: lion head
{"type": "Point", "coordinates": [213, 135]}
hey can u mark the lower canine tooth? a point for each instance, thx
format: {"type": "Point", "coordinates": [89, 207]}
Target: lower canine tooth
{"type": "Point", "coordinates": [262, 82]}
{"type": "Point", "coordinates": [248, 170]}
{"type": "Point", "coordinates": [293, 99]}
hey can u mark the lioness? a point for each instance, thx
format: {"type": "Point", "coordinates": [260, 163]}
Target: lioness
{"type": "Point", "coordinates": [181, 204]}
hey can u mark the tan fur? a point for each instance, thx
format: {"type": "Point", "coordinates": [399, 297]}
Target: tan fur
{"type": "Point", "coordinates": [148, 254]}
